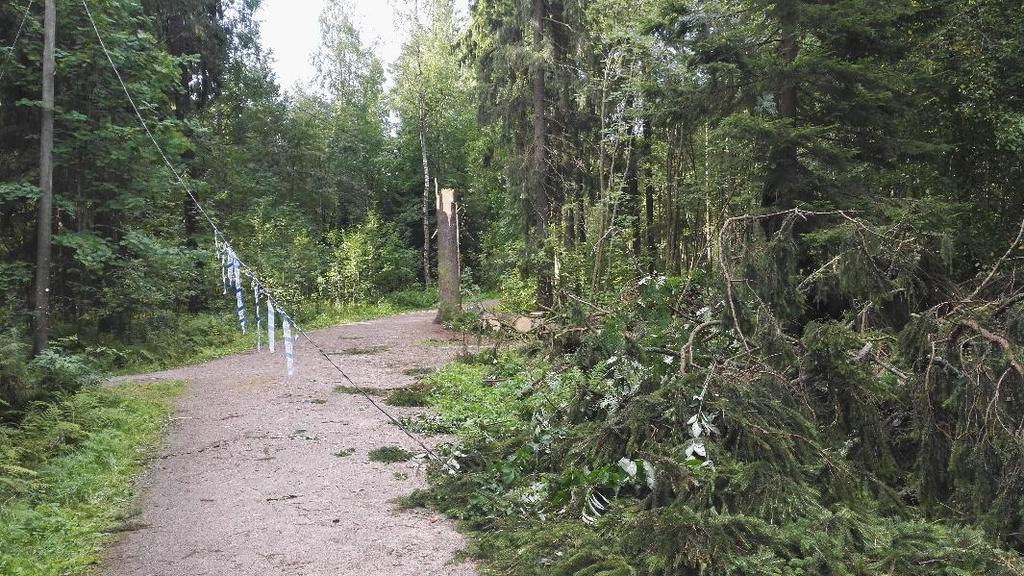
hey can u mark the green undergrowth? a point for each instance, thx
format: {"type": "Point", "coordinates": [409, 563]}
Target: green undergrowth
{"type": "Point", "coordinates": [602, 456]}
{"type": "Point", "coordinates": [67, 473]}
{"type": "Point", "coordinates": [482, 399]}
{"type": "Point", "coordinates": [478, 399]}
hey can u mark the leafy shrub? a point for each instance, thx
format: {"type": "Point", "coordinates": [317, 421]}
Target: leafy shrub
{"type": "Point", "coordinates": [417, 299]}
{"type": "Point", "coordinates": [367, 262]}
{"type": "Point", "coordinates": [517, 294]}
{"type": "Point", "coordinates": [52, 374]}
{"type": "Point", "coordinates": [13, 371]}
{"type": "Point", "coordinates": [58, 373]}
{"type": "Point", "coordinates": [278, 241]}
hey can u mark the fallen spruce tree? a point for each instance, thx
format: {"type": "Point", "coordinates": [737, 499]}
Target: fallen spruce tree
{"type": "Point", "coordinates": [852, 410]}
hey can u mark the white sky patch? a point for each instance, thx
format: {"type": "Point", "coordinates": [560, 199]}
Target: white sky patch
{"type": "Point", "coordinates": [291, 30]}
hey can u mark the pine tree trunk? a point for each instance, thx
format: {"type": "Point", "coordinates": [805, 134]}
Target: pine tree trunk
{"type": "Point", "coordinates": [652, 243]}
{"type": "Point", "coordinates": [633, 190]}
{"type": "Point", "coordinates": [540, 207]}
{"type": "Point", "coordinates": [41, 323]}
{"type": "Point", "coordinates": [782, 187]}
{"type": "Point", "coordinates": [190, 213]}
{"type": "Point", "coordinates": [581, 217]}
{"type": "Point", "coordinates": [708, 233]}
{"type": "Point", "coordinates": [669, 213]}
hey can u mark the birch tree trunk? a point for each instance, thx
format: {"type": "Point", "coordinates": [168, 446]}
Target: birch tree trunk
{"type": "Point", "coordinates": [425, 210]}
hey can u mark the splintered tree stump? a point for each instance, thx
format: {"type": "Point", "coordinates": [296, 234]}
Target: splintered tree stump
{"type": "Point", "coordinates": [449, 301]}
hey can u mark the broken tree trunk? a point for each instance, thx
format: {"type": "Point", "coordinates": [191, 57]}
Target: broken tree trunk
{"type": "Point", "coordinates": [448, 281]}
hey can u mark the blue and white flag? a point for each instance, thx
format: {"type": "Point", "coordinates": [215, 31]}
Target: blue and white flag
{"type": "Point", "coordinates": [239, 303]}
{"type": "Point", "coordinates": [229, 267]}
{"type": "Point", "coordinates": [256, 307]}
{"type": "Point", "coordinates": [221, 249]}
{"type": "Point", "coordinates": [224, 269]}
{"type": "Point", "coordinates": [289, 347]}
{"type": "Point", "coordinates": [271, 321]}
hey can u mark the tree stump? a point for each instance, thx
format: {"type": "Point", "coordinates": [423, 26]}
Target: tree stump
{"type": "Point", "coordinates": [449, 299]}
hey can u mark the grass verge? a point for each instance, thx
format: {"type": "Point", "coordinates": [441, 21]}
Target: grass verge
{"type": "Point", "coordinates": [67, 473]}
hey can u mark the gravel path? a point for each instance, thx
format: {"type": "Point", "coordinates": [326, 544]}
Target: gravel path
{"type": "Point", "coordinates": [249, 481]}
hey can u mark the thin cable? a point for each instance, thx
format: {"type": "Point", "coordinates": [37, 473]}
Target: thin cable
{"type": "Point", "coordinates": [142, 121]}
{"type": "Point", "coordinates": [245, 267]}
{"type": "Point", "coordinates": [17, 36]}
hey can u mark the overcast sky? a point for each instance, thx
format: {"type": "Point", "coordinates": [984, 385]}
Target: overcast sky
{"type": "Point", "coordinates": [291, 29]}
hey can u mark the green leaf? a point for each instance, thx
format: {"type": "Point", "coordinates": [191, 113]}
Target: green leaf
{"type": "Point", "coordinates": [91, 251]}
{"type": "Point", "coordinates": [18, 191]}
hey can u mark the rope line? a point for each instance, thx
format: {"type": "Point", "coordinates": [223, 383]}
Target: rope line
{"type": "Point", "coordinates": [17, 35]}
{"type": "Point", "coordinates": [248, 269]}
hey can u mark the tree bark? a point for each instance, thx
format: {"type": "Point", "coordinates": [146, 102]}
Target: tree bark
{"type": "Point", "coordinates": [581, 214]}
{"type": "Point", "coordinates": [783, 187]}
{"type": "Point", "coordinates": [422, 103]}
{"type": "Point", "coordinates": [190, 213]}
{"type": "Point", "coordinates": [652, 242]}
{"type": "Point", "coordinates": [449, 302]}
{"type": "Point", "coordinates": [670, 213]}
{"type": "Point", "coordinates": [632, 179]}
{"type": "Point", "coordinates": [649, 231]}
{"type": "Point", "coordinates": [41, 327]}
{"type": "Point", "coordinates": [174, 28]}
{"type": "Point", "coordinates": [540, 206]}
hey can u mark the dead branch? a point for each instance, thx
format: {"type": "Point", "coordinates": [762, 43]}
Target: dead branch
{"type": "Point", "coordinates": [814, 275]}
{"type": "Point", "coordinates": [995, 268]}
{"type": "Point", "coordinates": [686, 352]}
{"type": "Point", "coordinates": [723, 261]}
{"type": "Point", "coordinates": [588, 304]}
{"type": "Point", "coordinates": [1000, 341]}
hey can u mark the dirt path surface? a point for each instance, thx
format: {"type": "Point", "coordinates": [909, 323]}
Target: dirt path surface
{"type": "Point", "coordinates": [249, 483]}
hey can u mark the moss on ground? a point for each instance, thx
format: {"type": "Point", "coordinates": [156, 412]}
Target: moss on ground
{"type": "Point", "coordinates": [345, 389]}
{"type": "Point", "coordinates": [418, 371]}
{"type": "Point", "coordinates": [364, 350]}
{"type": "Point", "coordinates": [390, 455]}
{"type": "Point", "coordinates": [409, 397]}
